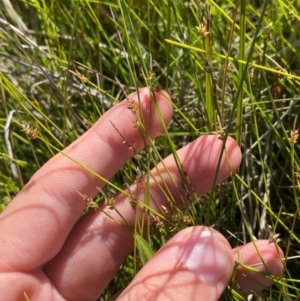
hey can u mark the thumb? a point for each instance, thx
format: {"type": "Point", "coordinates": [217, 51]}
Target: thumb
{"type": "Point", "coordinates": [196, 263]}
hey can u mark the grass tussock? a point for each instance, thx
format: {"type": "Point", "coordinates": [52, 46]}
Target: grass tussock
{"type": "Point", "coordinates": [230, 70]}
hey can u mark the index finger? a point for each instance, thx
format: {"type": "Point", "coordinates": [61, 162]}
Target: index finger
{"type": "Point", "coordinates": [37, 222]}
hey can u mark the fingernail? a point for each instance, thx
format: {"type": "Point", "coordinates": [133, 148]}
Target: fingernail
{"type": "Point", "coordinates": [202, 252]}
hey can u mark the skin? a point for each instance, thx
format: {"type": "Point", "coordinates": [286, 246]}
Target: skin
{"type": "Point", "coordinates": [52, 252]}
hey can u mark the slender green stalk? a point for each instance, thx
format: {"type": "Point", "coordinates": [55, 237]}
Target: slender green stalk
{"type": "Point", "coordinates": [241, 68]}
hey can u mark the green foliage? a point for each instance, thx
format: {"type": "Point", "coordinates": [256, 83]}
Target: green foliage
{"type": "Point", "coordinates": [145, 251]}
{"type": "Point", "coordinates": [62, 65]}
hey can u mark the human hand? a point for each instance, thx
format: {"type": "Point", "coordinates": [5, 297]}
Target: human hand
{"type": "Point", "coordinates": [51, 252]}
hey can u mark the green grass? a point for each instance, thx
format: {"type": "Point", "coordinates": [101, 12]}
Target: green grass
{"type": "Point", "coordinates": [230, 70]}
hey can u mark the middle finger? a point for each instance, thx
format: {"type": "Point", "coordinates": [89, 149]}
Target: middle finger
{"type": "Point", "coordinates": [98, 244]}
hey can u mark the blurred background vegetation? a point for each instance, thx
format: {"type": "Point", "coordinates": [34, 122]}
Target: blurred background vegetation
{"type": "Point", "coordinates": [231, 68]}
